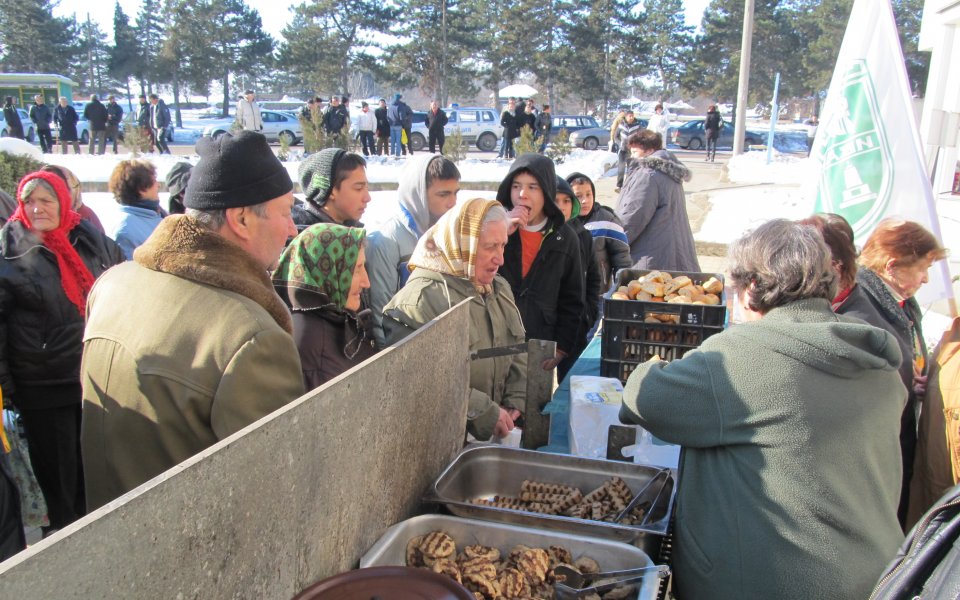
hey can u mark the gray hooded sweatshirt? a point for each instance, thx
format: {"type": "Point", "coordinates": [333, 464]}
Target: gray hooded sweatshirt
{"type": "Point", "coordinates": [389, 248]}
{"type": "Point", "coordinates": [790, 474]}
{"type": "Point", "coordinates": [653, 210]}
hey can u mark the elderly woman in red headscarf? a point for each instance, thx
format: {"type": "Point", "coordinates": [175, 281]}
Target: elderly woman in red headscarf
{"type": "Point", "coordinates": [49, 259]}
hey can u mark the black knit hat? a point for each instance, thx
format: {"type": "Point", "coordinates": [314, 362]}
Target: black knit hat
{"type": "Point", "coordinates": [316, 174]}
{"type": "Point", "coordinates": [177, 177]}
{"type": "Point", "coordinates": [235, 171]}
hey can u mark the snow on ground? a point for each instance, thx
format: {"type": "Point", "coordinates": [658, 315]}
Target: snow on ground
{"type": "Point", "coordinates": [784, 169]}
{"type": "Point", "coordinates": [735, 211]}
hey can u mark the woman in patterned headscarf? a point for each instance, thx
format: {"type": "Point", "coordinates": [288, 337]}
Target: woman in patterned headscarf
{"type": "Point", "coordinates": [458, 259]}
{"type": "Point", "coordinates": [320, 277]}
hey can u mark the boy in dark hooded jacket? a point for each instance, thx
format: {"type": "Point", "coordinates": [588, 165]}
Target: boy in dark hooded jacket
{"type": "Point", "coordinates": [569, 205]}
{"type": "Point", "coordinates": [542, 260]}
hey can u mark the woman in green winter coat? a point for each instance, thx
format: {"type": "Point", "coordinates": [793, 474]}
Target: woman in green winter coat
{"type": "Point", "coordinates": [790, 473]}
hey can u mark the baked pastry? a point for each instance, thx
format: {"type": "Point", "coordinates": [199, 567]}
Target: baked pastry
{"type": "Point", "coordinates": [437, 544]}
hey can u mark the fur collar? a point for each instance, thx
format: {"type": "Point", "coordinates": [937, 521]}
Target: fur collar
{"type": "Point", "coordinates": [661, 161]}
{"type": "Point", "coordinates": [182, 247]}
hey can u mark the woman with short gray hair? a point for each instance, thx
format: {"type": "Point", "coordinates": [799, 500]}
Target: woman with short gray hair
{"type": "Point", "coordinates": [780, 263]}
{"type": "Point", "coordinates": [789, 424]}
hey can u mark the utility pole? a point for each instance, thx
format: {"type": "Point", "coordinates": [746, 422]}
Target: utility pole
{"type": "Point", "coordinates": [743, 88]}
{"type": "Point", "coordinates": [443, 54]}
{"type": "Point", "coordinates": [90, 42]}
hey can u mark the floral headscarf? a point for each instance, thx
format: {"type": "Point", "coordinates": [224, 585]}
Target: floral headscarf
{"type": "Point", "coordinates": [321, 261]}
{"type": "Point", "coordinates": [450, 246]}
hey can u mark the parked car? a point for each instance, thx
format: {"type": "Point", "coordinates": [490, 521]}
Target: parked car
{"type": "Point", "coordinates": [28, 131]}
{"type": "Point", "coordinates": [83, 132]}
{"type": "Point", "coordinates": [480, 126]}
{"type": "Point", "coordinates": [692, 136]}
{"type": "Point", "coordinates": [276, 124]}
{"type": "Point", "coordinates": [594, 137]}
{"type": "Point", "coordinates": [418, 131]}
{"type": "Point", "coordinates": [573, 123]}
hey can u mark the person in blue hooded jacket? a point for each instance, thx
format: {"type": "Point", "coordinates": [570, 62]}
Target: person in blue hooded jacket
{"type": "Point", "coordinates": [427, 189]}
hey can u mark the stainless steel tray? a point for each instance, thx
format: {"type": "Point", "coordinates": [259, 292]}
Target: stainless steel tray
{"type": "Point", "coordinates": [390, 549]}
{"type": "Point", "coordinates": [484, 471]}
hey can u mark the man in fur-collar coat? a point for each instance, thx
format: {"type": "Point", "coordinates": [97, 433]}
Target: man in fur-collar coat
{"type": "Point", "coordinates": [653, 208]}
{"type": "Point", "coordinates": [188, 342]}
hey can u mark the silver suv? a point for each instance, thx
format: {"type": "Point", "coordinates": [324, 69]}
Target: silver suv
{"type": "Point", "coordinates": [480, 126]}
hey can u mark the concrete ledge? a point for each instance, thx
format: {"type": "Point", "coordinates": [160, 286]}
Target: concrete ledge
{"type": "Point", "coordinates": [294, 498]}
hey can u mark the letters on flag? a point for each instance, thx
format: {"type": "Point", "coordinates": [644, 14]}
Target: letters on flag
{"type": "Point", "coordinates": [868, 144]}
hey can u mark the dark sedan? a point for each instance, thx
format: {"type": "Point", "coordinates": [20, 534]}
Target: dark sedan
{"type": "Point", "coordinates": [692, 136]}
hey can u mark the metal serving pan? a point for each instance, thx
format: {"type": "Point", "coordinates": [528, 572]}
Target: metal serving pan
{"type": "Point", "coordinates": [484, 471]}
{"type": "Point", "coordinates": [390, 549]}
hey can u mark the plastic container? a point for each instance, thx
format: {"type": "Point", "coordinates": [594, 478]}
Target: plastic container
{"type": "Point", "coordinates": [628, 339]}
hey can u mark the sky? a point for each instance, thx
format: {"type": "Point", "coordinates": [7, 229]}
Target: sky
{"type": "Point", "coordinates": [273, 16]}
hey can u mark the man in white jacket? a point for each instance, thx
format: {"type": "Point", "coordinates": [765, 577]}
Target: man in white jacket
{"type": "Point", "coordinates": [367, 124]}
{"type": "Point", "coordinates": [248, 113]}
{"type": "Point", "coordinates": [660, 123]}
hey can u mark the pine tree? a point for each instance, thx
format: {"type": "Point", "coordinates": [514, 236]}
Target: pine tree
{"type": "Point", "coordinates": [32, 40]}
{"type": "Point", "coordinates": [821, 25]}
{"type": "Point", "coordinates": [328, 38]}
{"type": "Point", "coordinates": [149, 32]}
{"type": "Point", "coordinates": [504, 25]}
{"type": "Point", "coordinates": [125, 60]}
{"type": "Point", "coordinates": [775, 48]}
{"type": "Point", "coordinates": [604, 38]}
{"type": "Point", "coordinates": [235, 40]}
{"type": "Point", "coordinates": [440, 63]}
{"type": "Point", "coordinates": [310, 54]}
{"type": "Point", "coordinates": [908, 14]}
{"type": "Point", "coordinates": [525, 143]}
{"type": "Point", "coordinates": [95, 54]}
{"type": "Point", "coordinates": [454, 147]}
{"type": "Point", "coordinates": [670, 41]}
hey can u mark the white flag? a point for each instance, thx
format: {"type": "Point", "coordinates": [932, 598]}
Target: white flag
{"type": "Point", "coordinates": [868, 144]}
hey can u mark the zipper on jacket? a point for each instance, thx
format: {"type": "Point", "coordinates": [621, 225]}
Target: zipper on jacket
{"type": "Point", "coordinates": [916, 538]}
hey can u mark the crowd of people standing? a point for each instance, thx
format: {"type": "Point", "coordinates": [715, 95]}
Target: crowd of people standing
{"type": "Point", "coordinates": [104, 123]}
{"type": "Point", "coordinates": [811, 434]}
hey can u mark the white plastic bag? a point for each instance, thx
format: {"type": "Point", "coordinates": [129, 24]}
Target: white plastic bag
{"type": "Point", "coordinates": [651, 451]}
{"type": "Point", "coordinates": [594, 407]}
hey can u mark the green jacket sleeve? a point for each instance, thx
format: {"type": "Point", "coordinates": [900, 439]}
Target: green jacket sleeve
{"type": "Point", "coordinates": [482, 415]}
{"type": "Point", "coordinates": [675, 401]}
{"type": "Point", "coordinates": [262, 376]}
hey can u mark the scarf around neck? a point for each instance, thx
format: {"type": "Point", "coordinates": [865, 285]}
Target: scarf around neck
{"type": "Point", "coordinates": [450, 246]}
{"type": "Point", "coordinates": [75, 278]}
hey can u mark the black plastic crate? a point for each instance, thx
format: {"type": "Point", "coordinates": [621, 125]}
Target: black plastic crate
{"type": "Point", "coordinates": [634, 331]}
{"type": "Point", "coordinates": [687, 314]}
{"type": "Point", "coordinates": [627, 344]}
